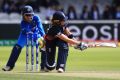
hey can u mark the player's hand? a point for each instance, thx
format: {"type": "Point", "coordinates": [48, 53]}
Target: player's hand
{"type": "Point", "coordinates": [82, 46]}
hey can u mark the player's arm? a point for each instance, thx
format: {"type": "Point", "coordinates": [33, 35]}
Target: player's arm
{"type": "Point", "coordinates": [41, 30]}
{"type": "Point", "coordinates": [40, 26]}
{"type": "Point", "coordinates": [23, 26]}
{"type": "Point", "coordinates": [79, 45]}
{"type": "Point", "coordinates": [68, 33]}
{"type": "Point", "coordinates": [68, 40]}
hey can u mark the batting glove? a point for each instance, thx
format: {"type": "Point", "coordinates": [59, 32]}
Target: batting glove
{"type": "Point", "coordinates": [82, 46]}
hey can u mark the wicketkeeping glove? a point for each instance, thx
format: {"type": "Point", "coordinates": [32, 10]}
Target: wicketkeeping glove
{"type": "Point", "coordinates": [81, 46]}
{"type": "Point", "coordinates": [41, 42]}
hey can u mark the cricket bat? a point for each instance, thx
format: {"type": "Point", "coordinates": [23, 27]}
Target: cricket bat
{"type": "Point", "coordinates": [102, 44]}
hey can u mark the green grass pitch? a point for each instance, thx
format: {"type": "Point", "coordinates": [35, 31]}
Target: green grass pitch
{"type": "Point", "coordinates": [91, 64]}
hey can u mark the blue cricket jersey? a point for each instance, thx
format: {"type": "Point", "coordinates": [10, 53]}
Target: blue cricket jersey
{"type": "Point", "coordinates": [35, 26]}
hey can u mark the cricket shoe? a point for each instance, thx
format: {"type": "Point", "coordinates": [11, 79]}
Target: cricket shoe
{"type": "Point", "coordinates": [7, 68]}
{"type": "Point", "coordinates": [60, 70]}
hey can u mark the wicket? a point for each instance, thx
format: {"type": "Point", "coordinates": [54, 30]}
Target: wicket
{"type": "Point", "coordinates": [30, 40]}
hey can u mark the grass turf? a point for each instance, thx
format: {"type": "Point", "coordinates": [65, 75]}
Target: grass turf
{"type": "Point", "coordinates": [92, 59]}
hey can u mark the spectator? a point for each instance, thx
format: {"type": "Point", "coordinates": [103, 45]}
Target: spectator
{"type": "Point", "coordinates": [13, 7]}
{"type": "Point", "coordinates": [59, 8]}
{"type": "Point", "coordinates": [1, 1]}
{"type": "Point", "coordinates": [33, 4]}
{"type": "Point", "coordinates": [94, 12]}
{"type": "Point", "coordinates": [107, 13]}
{"type": "Point", "coordinates": [9, 6]}
{"type": "Point", "coordinates": [48, 3]}
{"type": "Point", "coordinates": [117, 14]}
{"type": "Point", "coordinates": [116, 3]}
{"type": "Point", "coordinates": [51, 10]}
{"type": "Point", "coordinates": [85, 13]}
{"type": "Point", "coordinates": [19, 4]}
{"type": "Point", "coordinates": [6, 6]}
{"type": "Point", "coordinates": [71, 13]}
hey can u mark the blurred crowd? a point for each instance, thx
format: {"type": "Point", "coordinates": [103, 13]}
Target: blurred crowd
{"type": "Point", "coordinates": [9, 6]}
{"type": "Point", "coordinates": [110, 11]}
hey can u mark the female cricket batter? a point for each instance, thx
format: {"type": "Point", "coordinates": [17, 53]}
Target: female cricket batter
{"type": "Point", "coordinates": [30, 22]}
{"type": "Point", "coordinates": [59, 35]}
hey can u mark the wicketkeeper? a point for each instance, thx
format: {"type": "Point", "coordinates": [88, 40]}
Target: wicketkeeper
{"type": "Point", "coordinates": [59, 36]}
{"type": "Point", "coordinates": [30, 22]}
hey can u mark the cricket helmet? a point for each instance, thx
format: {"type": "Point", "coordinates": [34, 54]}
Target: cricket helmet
{"type": "Point", "coordinates": [27, 10]}
{"type": "Point", "coordinates": [58, 15]}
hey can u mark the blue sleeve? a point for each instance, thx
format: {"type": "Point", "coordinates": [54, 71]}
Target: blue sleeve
{"type": "Point", "coordinates": [21, 40]}
{"type": "Point", "coordinates": [40, 26]}
{"type": "Point", "coordinates": [23, 26]}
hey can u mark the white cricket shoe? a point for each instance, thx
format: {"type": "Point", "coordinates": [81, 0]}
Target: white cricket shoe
{"type": "Point", "coordinates": [7, 68]}
{"type": "Point", "coordinates": [60, 70]}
